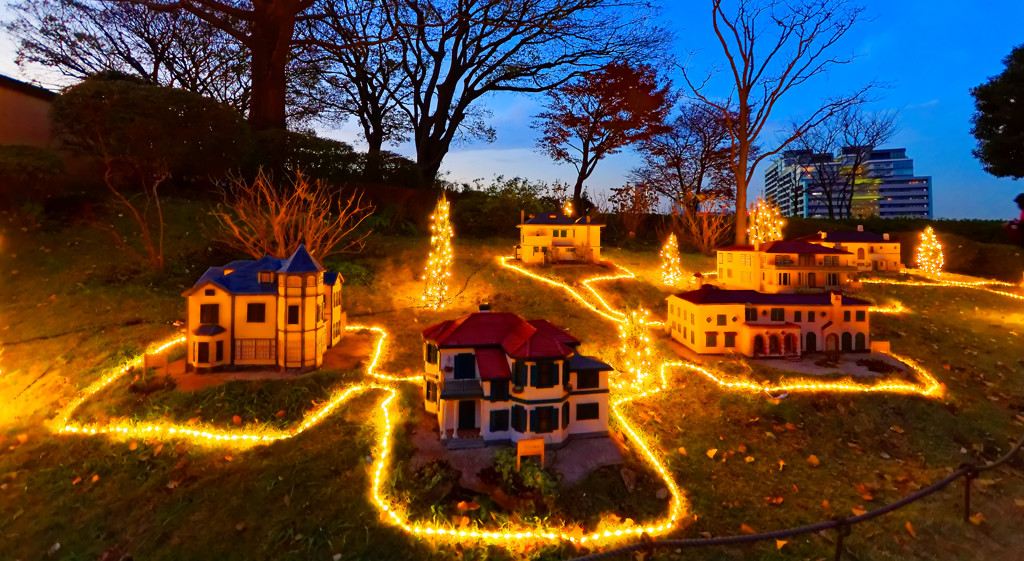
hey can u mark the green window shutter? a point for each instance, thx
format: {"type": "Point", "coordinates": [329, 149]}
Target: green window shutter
{"type": "Point", "coordinates": [534, 375]}
{"type": "Point", "coordinates": [534, 420]}
{"type": "Point", "coordinates": [565, 414]}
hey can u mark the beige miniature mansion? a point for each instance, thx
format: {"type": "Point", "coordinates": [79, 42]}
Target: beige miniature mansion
{"type": "Point", "coordinates": [714, 320]}
{"type": "Point", "coordinates": [785, 266]}
{"type": "Point", "coordinates": [555, 238]}
{"type": "Point", "coordinates": [872, 252]}
{"type": "Point", "coordinates": [268, 312]}
{"type": "Point", "coordinates": [495, 377]}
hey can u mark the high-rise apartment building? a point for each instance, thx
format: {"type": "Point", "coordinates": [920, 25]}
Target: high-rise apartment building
{"type": "Point", "coordinates": [887, 186]}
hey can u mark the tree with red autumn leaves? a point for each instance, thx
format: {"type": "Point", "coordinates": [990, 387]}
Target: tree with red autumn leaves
{"type": "Point", "coordinates": [599, 114]}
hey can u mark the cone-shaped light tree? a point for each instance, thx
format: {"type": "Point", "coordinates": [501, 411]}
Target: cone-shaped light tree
{"type": "Point", "coordinates": [765, 223]}
{"type": "Point", "coordinates": [439, 266]}
{"type": "Point", "coordinates": [929, 253]}
{"type": "Point", "coordinates": [636, 348]}
{"type": "Point", "coordinates": [671, 273]}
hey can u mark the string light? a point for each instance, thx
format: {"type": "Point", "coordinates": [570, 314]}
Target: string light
{"type": "Point", "coordinates": [929, 253]}
{"type": "Point", "coordinates": [671, 273]}
{"type": "Point", "coordinates": [567, 208]}
{"type": "Point", "coordinates": [765, 223]}
{"type": "Point", "coordinates": [977, 285]}
{"type": "Point", "coordinates": [636, 348]}
{"type": "Point", "coordinates": [439, 265]}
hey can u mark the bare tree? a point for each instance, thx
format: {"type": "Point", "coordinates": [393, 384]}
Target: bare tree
{"type": "Point", "coordinates": [632, 204]}
{"type": "Point", "coordinates": [704, 221]}
{"type": "Point", "coordinates": [798, 40]}
{"type": "Point", "coordinates": [689, 159]}
{"type": "Point", "coordinates": [839, 146]}
{"type": "Point", "coordinates": [82, 37]}
{"type": "Point", "coordinates": [455, 53]}
{"type": "Point", "coordinates": [261, 218]}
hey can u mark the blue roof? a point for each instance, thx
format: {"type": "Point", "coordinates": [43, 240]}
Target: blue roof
{"type": "Point", "coordinates": [301, 262]}
{"type": "Point", "coordinates": [209, 329]}
{"type": "Point", "coordinates": [244, 275]}
{"type": "Point", "coordinates": [330, 277]}
{"type": "Point", "coordinates": [559, 219]}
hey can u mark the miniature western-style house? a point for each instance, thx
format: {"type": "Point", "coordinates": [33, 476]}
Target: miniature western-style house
{"type": "Point", "coordinates": [267, 312]}
{"type": "Point", "coordinates": [785, 266]}
{"type": "Point", "coordinates": [495, 377]}
{"type": "Point", "coordinates": [872, 252]}
{"type": "Point", "coordinates": [555, 238]}
{"type": "Point", "coordinates": [714, 320]}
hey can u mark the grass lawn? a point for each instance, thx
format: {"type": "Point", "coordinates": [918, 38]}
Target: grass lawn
{"type": "Point", "coordinates": [71, 307]}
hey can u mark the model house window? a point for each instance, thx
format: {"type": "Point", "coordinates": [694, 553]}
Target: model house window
{"type": "Point", "coordinates": [778, 314]}
{"type": "Point", "coordinates": [711, 339]}
{"type": "Point", "coordinates": [588, 411]}
{"type": "Point", "coordinates": [565, 415]}
{"type": "Point", "coordinates": [730, 340]}
{"type": "Point", "coordinates": [431, 392]}
{"type": "Point", "coordinates": [861, 315]}
{"type": "Point", "coordinates": [209, 313]}
{"type": "Point", "coordinates": [728, 257]}
{"type": "Point", "coordinates": [465, 366]}
{"type": "Point", "coordinates": [519, 418]}
{"type": "Point", "coordinates": [544, 375]}
{"type": "Point", "coordinates": [543, 419]}
{"type": "Point", "coordinates": [810, 315]}
{"type": "Point", "coordinates": [692, 338]}
{"type": "Point", "coordinates": [831, 260]}
{"type": "Point", "coordinates": [255, 313]}
{"type": "Point", "coordinates": [588, 380]}
{"type": "Point", "coordinates": [499, 390]}
{"type": "Point", "coordinates": [431, 353]}
{"type": "Point", "coordinates": [321, 307]}
{"type": "Point", "coordinates": [832, 279]}
{"type": "Point", "coordinates": [846, 315]}
{"type": "Point", "coordinates": [499, 421]}
{"type": "Point", "coordinates": [209, 292]}
{"type": "Point", "coordinates": [783, 279]}
{"type": "Point", "coordinates": [720, 319]}
{"type": "Point", "coordinates": [721, 258]}
{"type": "Point", "coordinates": [266, 276]}
{"type": "Point", "coordinates": [220, 351]}
{"type": "Point", "coordinates": [728, 273]}
{"type": "Point", "coordinates": [750, 314]}
{"type": "Point", "coordinates": [293, 315]}
{"type": "Point", "coordinates": [797, 316]}
{"type": "Point", "coordinates": [684, 333]}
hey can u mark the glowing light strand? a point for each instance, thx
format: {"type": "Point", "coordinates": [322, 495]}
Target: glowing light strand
{"type": "Point", "coordinates": [439, 265]}
{"type": "Point", "coordinates": [765, 223]}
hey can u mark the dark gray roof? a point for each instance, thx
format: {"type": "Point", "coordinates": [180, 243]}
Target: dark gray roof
{"type": "Point", "coordinates": [709, 294]}
{"type": "Point", "coordinates": [580, 362]}
{"type": "Point", "coordinates": [850, 236]}
{"type": "Point", "coordinates": [558, 219]}
{"type": "Point", "coordinates": [209, 329]}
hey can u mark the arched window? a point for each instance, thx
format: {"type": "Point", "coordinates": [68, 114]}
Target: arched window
{"type": "Point", "coordinates": [847, 341]}
{"type": "Point", "coordinates": [858, 342]}
{"type": "Point", "coordinates": [860, 253]}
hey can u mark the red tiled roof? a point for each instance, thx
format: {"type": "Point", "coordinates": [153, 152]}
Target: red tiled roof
{"type": "Point", "coordinates": [848, 237]}
{"type": "Point", "coordinates": [517, 337]}
{"type": "Point", "coordinates": [492, 365]}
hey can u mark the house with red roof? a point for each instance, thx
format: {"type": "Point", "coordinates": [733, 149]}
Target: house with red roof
{"type": "Point", "coordinates": [871, 251]}
{"type": "Point", "coordinates": [267, 312]}
{"type": "Point", "coordinates": [785, 266]}
{"type": "Point", "coordinates": [496, 377]}
{"type": "Point", "coordinates": [553, 237]}
{"type": "Point", "coordinates": [713, 320]}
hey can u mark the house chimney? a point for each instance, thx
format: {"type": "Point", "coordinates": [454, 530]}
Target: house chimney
{"type": "Point", "coordinates": [522, 216]}
{"type": "Point", "coordinates": [699, 279]}
{"type": "Point", "coordinates": [823, 234]}
{"type": "Point", "coordinates": [485, 308]}
{"type": "Point", "coordinates": [588, 219]}
{"type": "Point", "coordinates": [860, 227]}
{"type": "Point", "coordinates": [885, 237]}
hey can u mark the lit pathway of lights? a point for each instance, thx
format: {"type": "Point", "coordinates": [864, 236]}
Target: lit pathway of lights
{"type": "Point", "coordinates": [977, 285]}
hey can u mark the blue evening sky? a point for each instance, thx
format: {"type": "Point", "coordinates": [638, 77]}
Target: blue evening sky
{"type": "Point", "coordinates": [930, 53]}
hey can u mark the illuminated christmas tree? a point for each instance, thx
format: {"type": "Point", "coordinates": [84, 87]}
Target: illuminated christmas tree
{"type": "Point", "coordinates": [636, 348]}
{"type": "Point", "coordinates": [765, 223]}
{"type": "Point", "coordinates": [670, 271]}
{"type": "Point", "coordinates": [439, 266]}
{"type": "Point", "coordinates": [929, 253]}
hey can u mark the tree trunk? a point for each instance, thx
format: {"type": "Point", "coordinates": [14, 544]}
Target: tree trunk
{"type": "Point", "coordinates": [577, 193]}
{"type": "Point", "coordinates": [270, 44]}
{"type": "Point", "coordinates": [371, 168]}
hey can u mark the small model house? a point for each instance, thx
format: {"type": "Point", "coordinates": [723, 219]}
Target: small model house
{"type": "Point", "coordinates": [268, 312]}
{"type": "Point", "coordinates": [714, 320]}
{"type": "Point", "coordinates": [495, 377]}
{"type": "Point", "coordinates": [872, 252]}
{"type": "Point", "coordinates": [555, 238]}
{"type": "Point", "coordinates": [785, 266]}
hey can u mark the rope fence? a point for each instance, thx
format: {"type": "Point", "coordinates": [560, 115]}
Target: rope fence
{"type": "Point", "coordinates": [843, 526]}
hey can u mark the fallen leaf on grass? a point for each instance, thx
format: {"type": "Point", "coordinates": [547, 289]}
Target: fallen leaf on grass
{"type": "Point", "coordinates": [133, 445]}
{"type": "Point", "coordinates": [748, 459]}
{"type": "Point", "coordinates": [287, 500]}
{"type": "Point", "coordinates": [1018, 502]}
{"type": "Point", "coordinates": [228, 458]}
{"type": "Point", "coordinates": [742, 448]}
{"type": "Point", "coordinates": [240, 526]}
{"type": "Point", "coordinates": [158, 449]}
{"type": "Point", "coordinates": [866, 491]}
{"type": "Point", "coordinates": [279, 414]}
{"type": "Point", "coordinates": [747, 529]}
{"type": "Point", "coordinates": [95, 478]}
{"type": "Point", "coordinates": [826, 505]}
{"type": "Point", "coordinates": [910, 528]}
{"type": "Point", "coordinates": [76, 481]}
{"type": "Point", "coordinates": [172, 484]}
{"type": "Point", "coordinates": [857, 510]}
{"type": "Point", "coordinates": [780, 543]}
{"type": "Point", "coordinates": [897, 429]}
{"type": "Point", "coordinates": [22, 438]}
{"type": "Point", "coordinates": [464, 521]}
{"type": "Point", "coordinates": [813, 460]}
{"type": "Point", "coordinates": [711, 452]}
{"type": "Point", "coordinates": [782, 464]}
{"type": "Point", "coordinates": [236, 420]}
{"type": "Point", "coordinates": [682, 450]}
{"type": "Point", "coordinates": [977, 518]}
{"type": "Point", "coordinates": [467, 505]}
{"type": "Point", "coordinates": [774, 500]}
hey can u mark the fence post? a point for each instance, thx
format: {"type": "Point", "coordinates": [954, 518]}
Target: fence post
{"type": "Point", "coordinates": [843, 531]}
{"type": "Point", "coordinates": [972, 472]}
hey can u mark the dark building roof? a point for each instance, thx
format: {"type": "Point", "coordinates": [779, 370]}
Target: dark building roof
{"type": "Point", "coordinates": [579, 363]}
{"type": "Point", "coordinates": [209, 329]}
{"type": "Point", "coordinates": [789, 246]}
{"type": "Point", "coordinates": [559, 219]}
{"type": "Point", "coordinates": [330, 277]}
{"type": "Point", "coordinates": [9, 83]}
{"type": "Point", "coordinates": [849, 237]}
{"type": "Point", "coordinates": [515, 336]}
{"type": "Point", "coordinates": [242, 276]}
{"type": "Point", "coordinates": [709, 294]}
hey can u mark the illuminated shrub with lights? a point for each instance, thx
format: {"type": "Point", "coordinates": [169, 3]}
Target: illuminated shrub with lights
{"type": "Point", "coordinates": [530, 480]}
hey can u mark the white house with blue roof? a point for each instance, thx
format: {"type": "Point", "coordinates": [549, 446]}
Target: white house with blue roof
{"type": "Point", "coordinates": [553, 237]}
{"type": "Point", "coordinates": [267, 312]}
